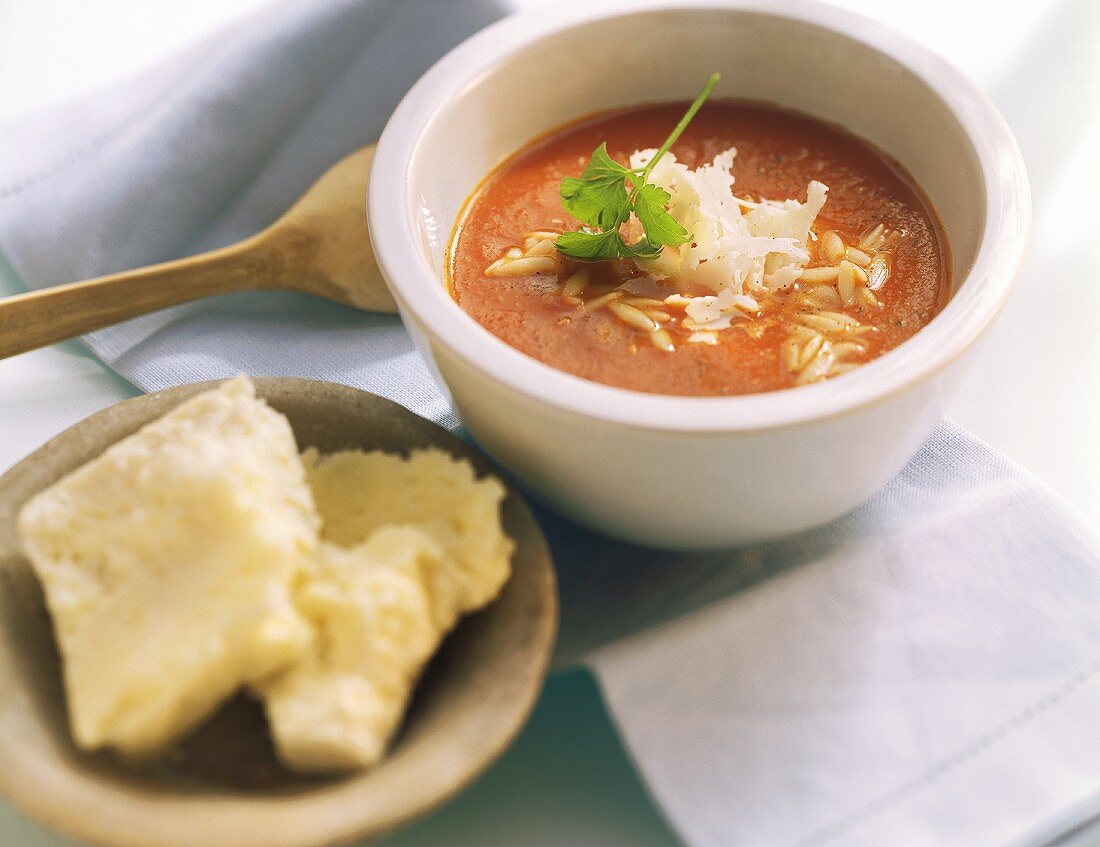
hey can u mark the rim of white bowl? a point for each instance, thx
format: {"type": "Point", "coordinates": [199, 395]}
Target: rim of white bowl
{"type": "Point", "coordinates": [977, 299]}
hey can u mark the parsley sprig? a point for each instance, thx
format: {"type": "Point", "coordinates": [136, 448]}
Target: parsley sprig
{"type": "Point", "coordinates": [606, 193]}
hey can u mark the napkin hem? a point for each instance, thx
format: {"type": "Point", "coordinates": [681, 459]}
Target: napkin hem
{"type": "Point", "coordinates": [933, 773]}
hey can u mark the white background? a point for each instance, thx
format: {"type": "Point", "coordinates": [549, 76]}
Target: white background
{"type": "Point", "coordinates": [1035, 393]}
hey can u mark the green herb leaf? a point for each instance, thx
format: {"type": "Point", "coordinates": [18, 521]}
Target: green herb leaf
{"type": "Point", "coordinates": [581, 244]}
{"type": "Point", "coordinates": [606, 193]}
{"type": "Point", "coordinates": [660, 227]}
{"type": "Point", "coordinates": [599, 196]}
{"type": "Point", "coordinates": [598, 200]}
{"type": "Point", "coordinates": [602, 165]}
{"type": "Point", "coordinates": [609, 244]}
{"type": "Point", "coordinates": [641, 250]}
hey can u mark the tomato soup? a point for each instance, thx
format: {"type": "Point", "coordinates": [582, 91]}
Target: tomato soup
{"type": "Point", "coordinates": [872, 269]}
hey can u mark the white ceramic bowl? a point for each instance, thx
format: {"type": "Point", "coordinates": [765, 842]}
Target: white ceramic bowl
{"type": "Point", "coordinates": [696, 472]}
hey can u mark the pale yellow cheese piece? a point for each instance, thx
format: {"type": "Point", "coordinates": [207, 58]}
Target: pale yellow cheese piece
{"type": "Point", "coordinates": [167, 564]}
{"type": "Point", "coordinates": [337, 707]}
{"type": "Point", "coordinates": [409, 546]}
{"type": "Point", "coordinates": [358, 492]}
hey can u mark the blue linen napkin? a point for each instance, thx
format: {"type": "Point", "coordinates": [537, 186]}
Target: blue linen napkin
{"type": "Point", "coordinates": [925, 670]}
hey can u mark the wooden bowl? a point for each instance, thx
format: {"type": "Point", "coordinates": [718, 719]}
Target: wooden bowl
{"type": "Point", "coordinates": [223, 786]}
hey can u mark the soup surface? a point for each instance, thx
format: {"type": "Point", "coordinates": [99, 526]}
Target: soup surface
{"type": "Point", "coordinates": [878, 266]}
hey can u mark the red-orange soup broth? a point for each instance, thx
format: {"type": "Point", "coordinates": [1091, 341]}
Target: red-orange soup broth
{"type": "Point", "coordinates": [778, 153]}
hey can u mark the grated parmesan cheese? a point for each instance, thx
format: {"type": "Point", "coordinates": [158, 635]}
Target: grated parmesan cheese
{"type": "Point", "coordinates": [736, 255]}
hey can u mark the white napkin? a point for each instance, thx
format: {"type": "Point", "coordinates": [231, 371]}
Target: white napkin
{"type": "Point", "coordinates": [923, 671]}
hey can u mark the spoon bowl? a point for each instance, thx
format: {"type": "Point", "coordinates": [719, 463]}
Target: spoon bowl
{"type": "Point", "coordinates": [223, 784]}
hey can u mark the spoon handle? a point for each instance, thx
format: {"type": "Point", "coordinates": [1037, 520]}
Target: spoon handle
{"type": "Point", "coordinates": [38, 318]}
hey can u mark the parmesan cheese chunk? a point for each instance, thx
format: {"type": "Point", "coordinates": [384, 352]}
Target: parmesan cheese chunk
{"type": "Point", "coordinates": [734, 255]}
{"type": "Point", "coordinates": [166, 565]}
{"type": "Point", "coordinates": [409, 545]}
{"type": "Point", "coordinates": [357, 493]}
{"type": "Point", "coordinates": [339, 706]}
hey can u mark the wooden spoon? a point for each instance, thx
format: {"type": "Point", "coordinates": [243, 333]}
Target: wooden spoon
{"type": "Point", "coordinates": [320, 246]}
{"type": "Point", "coordinates": [223, 785]}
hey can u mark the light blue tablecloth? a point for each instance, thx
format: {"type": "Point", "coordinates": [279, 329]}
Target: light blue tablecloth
{"type": "Point", "coordinates": [923, 671]}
